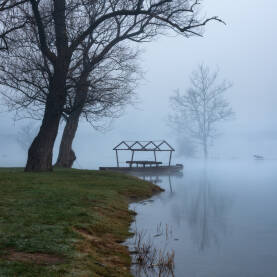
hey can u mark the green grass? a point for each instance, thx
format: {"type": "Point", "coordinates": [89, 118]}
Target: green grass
{"type": "Point", "coordinates": [66, 223]}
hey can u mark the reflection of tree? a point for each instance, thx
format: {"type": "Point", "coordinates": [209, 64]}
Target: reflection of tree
{"type": "Point", "coordinates": [206, 210]}
{"type": "Point", "coordinates": [204, 207]}
{"type": "Point", "coordinates": [157, 180]}
{"type": "Point", "coordinates": [152, 179]}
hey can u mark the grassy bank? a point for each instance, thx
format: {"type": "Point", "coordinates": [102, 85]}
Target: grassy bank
{"type": "Point", "coordinates": [66, 223]}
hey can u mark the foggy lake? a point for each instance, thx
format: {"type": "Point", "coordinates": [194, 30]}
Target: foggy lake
{"type": "Point", "coordinates": [221, 219]}
{"type": "Point", "coordinates": [89, 89]}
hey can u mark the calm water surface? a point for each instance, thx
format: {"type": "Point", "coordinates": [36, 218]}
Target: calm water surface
{"type": "Point", "coordinates": [222, 219]}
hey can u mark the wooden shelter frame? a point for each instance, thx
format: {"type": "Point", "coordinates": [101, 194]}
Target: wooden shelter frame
{"type": "Point", "coordinates": [143, 146]}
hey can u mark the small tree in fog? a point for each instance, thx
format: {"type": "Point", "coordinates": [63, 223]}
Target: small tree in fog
{"type": "Point", "coordinates": [25, 136]}
{"type": "Point", "coordinates": [198, 111]}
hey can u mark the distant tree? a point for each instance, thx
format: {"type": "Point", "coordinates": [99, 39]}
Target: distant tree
{"type": "Point", "coordinates": [25, 136]}
{"type": "Point", "coordinates": [197, 112]}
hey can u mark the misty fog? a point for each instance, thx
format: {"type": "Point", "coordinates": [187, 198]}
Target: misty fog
{"type": "Point", "coordinates": [245, 53]}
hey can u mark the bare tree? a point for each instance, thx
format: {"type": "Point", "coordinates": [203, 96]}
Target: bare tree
{"type": "Point", "coordinates": [7, 9]}
{"type": "Point", "coordinates": [59, 28]}
{"type": "Point", "coordinates": [202, 107]}
{"type": "Point", "coordinates": [95, 93]}
{"type": "Point", "coordinates": [103, 94]}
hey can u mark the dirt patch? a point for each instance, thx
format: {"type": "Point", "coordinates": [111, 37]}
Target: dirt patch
{"type": "Point", "coordinates": [109, 247]}
{"type": "Point", "coordinates": [86, 234]}
{"type": "Point", "coordinates": [36, 258]}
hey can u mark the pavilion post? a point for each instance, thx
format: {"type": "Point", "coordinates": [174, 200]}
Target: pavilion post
{"type": "Point", "coordinates": [170, 158]}
{"type": "Point", "coordinates": [131, 164]}
{"type": "Point", "coordinates": [117, 161]}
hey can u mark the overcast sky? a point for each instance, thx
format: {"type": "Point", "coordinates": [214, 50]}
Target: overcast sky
{"type": "Point", "coordinates": [245, 53]}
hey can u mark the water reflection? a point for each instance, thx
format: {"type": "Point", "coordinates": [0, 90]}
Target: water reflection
{"type": "Point", "coordinates": [201, 206]}
{"type": "Point", "coordinates": [222, 220]}
{"type": "Point", "coordinates": [206, 212]}
{"type": "Point", "coordinates": [161, 179]}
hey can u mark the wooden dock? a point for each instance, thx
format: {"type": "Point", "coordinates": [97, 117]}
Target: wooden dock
{"type": "Point", "coordinates": [146, 169]}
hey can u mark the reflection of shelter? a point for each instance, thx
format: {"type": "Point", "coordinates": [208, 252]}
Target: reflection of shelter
{"type": "Point", "coordinates": [152, 179]}
{"type": "Point", "coordinates": [155, 178]}
{"type": "Point", "coordinates": [144, 146]}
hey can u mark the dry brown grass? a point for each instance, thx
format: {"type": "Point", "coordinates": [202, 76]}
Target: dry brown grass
{"type": "Point", "coordinates": [36, 258]}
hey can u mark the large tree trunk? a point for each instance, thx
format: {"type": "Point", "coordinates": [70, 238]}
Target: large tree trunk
{"type": "Point", "coordinates": [41, 151]}
{"type": "Point", "coordinates": [66, 155]}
